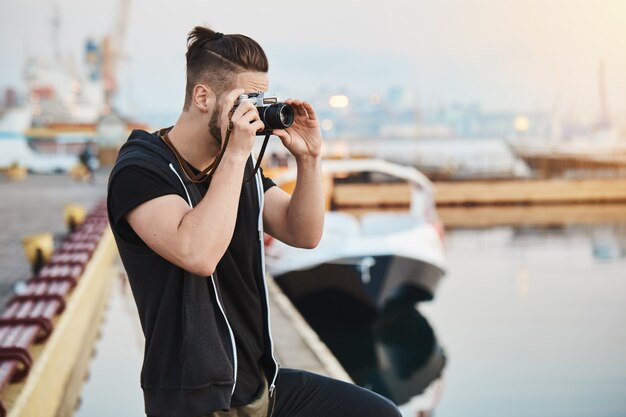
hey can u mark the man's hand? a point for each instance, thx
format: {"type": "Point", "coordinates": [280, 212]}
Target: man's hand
{"type": "Point", "coordinates": [298, 219]}
{"type": "Point", "coordinates": [303, 138]}
{"type": "Point", "coordinates": [244, 123]}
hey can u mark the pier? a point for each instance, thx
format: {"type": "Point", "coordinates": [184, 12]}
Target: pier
{"type": "Point", "coordinates": [550, 165]}
{"type": "Point", "coordinates": [499, 202]}
{"type": "Point", "coordinates": [529, 192]}
{"type": "Point", "coordinates": [531, 215]}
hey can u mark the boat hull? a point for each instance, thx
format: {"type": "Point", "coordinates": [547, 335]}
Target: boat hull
{"type": "Point", "coordinates": [373, 281]}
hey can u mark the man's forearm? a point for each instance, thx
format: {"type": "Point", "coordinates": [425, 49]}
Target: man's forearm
{"type": "Point", "coordinates": [305, 214]}
{"type": "Point", "coordinates": [207, 230]}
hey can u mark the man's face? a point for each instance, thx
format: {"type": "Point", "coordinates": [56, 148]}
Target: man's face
{"type": "Point", "coordinates": [251, 82]}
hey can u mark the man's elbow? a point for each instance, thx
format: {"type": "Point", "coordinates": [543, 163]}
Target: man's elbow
{"type": "Point", "coordinates": [309, 239]}
{"type": "Point", "coordinates": [204, 271]}
{"type": "Point", "coordinates": [201, 267]}
{"type": "Point", "coordinates": [309, 245]}
{"type": "Point", "coordinates": [310, 242]}
{"type": "Point", "coordinates": [192, 258]}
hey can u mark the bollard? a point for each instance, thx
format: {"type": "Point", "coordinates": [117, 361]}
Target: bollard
{"type": "Point", "coordinates": [74, 215]}
{"type": "Point", "coordinates": [38, 249]}
{"type": "Point", "coordinates": [79, 172]}
{"type": "Point", "coordinates": [16, 172]}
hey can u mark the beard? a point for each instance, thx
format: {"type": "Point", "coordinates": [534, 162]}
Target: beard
{"type": "Point", "coordinates": [214, 129]}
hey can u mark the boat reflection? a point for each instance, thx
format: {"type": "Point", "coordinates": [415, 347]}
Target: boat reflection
{"type": "Point", "coordinates": [393, 352]}
{"type": "Point", "coordinates": [609, 242]}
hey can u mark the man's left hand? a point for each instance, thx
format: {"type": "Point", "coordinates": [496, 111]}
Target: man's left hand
{"type": "Point", "coordinates": [303, 138]}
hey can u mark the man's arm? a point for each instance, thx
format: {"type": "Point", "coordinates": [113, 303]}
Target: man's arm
{"type": "Point", "coordinates": [298, 220]}
{"type": "Point", "coordinates": [196, 239]}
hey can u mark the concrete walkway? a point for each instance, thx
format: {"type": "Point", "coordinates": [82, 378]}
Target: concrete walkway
{"type": "Point", "coordinates": [32, 206]}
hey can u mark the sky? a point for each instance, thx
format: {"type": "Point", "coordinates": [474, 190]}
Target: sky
{"type": "Point", "coordinates": [506, 55]}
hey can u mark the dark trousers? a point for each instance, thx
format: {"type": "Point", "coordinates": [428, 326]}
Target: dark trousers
{"type": "Point", "coordinates": [300, 393]}
{"type": "Point", "coordinates": [304, 394]}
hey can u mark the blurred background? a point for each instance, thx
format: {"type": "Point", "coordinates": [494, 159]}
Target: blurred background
{"type": "Point", "coordinates": [476, 183]}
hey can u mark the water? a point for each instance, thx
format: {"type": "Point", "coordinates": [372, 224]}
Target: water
{"type": "Point", "coordinates": [534, 322]}
{"type": "Point", "coordinates": [112, 387]}
{"type": "Point", "coordinates": [527, 322]}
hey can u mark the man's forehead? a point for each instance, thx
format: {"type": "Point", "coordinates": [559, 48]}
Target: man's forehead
{"type": "Point", "coordinates": [252, 81]}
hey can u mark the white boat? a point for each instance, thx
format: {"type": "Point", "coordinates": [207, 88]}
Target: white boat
{"type": "Point", "coordinates": [63, 107]}
{"type": "Point", "coordinates": [377, 244]}
{"type": "Point", "coordinates": [14, 148]}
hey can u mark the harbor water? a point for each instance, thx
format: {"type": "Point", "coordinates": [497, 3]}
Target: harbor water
{"type": "Point", "coordinates": [530, 321]}
{"type": "Point", "coordinates": [533, 322]}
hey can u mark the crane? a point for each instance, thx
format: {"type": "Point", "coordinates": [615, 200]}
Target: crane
{"type": "Point", "coordinates": [113, 51]}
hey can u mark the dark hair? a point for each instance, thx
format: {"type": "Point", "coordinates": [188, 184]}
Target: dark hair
{"type": "Point", "coordinates": [214, 58]}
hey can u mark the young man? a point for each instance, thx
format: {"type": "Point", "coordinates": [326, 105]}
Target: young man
{"type": "Point", "coordinates": [192, 247]}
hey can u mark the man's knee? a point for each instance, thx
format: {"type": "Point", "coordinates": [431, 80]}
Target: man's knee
{"type": "Point", "coordinates": [383, 407]}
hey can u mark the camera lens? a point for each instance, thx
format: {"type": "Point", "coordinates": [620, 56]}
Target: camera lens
{"type": "Point", "coordinates": [277, 116]}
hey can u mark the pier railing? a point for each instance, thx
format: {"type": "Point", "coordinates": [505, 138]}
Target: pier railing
{"type": "Point", "coordinates": [30, 316]}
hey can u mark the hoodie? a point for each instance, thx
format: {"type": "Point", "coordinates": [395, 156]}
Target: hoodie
{"type": "Point", "coordinates": [190, 356]}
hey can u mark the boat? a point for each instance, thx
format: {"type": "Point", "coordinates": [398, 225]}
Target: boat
{"type": "Point", "coordinates": [599, 153]}
{"type": "Point", "coordinates": [63, 108]}
{"type": "Point", "coordinates": [597, 150]}
{"type": "Point", "coordinates": [15, 149]}
{"type": "Point", "coordinates": [382, 237]}
{"type": "Point", "coordinates": [394, 352]}
{"type": "Point", "coordinates": [408, 363]}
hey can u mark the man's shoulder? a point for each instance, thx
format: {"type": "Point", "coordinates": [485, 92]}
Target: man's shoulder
{"type": "Point", "coordinates": [141, 143]}
{"type": "Point", "coordinates": [135, 184]}
{"type": "Point", "coordinates": [142, 168]}
{"type": "Point", "coordinates": [144, 150]}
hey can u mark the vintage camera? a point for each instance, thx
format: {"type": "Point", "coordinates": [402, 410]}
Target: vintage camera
{"type": "Point", "coordinates": [273, 114]}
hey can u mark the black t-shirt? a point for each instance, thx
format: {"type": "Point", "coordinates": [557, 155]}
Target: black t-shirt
{"type": "Point", "coordinates": [240, 289]}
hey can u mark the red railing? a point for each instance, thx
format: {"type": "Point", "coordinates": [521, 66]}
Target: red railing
{"type": "Point", "coordinates": [28, 317]}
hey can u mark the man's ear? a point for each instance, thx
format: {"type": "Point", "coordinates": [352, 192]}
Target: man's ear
{"type": "Point", "coordinates": [203, 98]}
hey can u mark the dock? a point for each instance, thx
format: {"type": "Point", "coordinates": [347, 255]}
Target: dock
{"type": "Point", "coordinates": [531, 192]}
{"type": "Point", "coordinates": [531, 215]}
{"type": "Point", "coordinates": [485, 193]}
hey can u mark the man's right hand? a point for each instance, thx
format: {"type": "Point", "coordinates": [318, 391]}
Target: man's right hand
{"type": "Point", "coordinates": [244, 123]}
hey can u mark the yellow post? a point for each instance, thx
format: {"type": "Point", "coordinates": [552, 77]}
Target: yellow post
{"type": "Point", "coordinates": [16, 172]}
{"type": "Point", "coordinates": [79, 172]}
{"type": "Point", "coordinates": [38, 249]}
{"type": "Point", "coordinates": [74, 215]}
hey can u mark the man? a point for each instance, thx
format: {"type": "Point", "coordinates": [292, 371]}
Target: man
{"type": "Point", "coordinates": [86, 158]}
{"type": "Point", "coordinates": [192, 246]}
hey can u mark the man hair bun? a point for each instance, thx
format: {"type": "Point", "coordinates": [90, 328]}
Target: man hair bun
{"type": "Point", "coordinates": [201, 35]}
{"type": "Point", "coordinates": [213, 58]}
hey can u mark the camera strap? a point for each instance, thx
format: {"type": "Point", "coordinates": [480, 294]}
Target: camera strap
{"type": "Point", "coordinates": [259, 158]}
{"type": "Point", "coordinates": [207, 172]}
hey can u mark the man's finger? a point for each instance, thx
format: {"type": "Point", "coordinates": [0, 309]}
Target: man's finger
{"type": "Point", "coordinates": [257, 125]}
{"type": "Point", "coordinates": [299, 108]}
{"type": "Point", "coordinates": [243, 109]}
{"type": "Point", "coordinates": [281, 133]}
{"type": "Point", "coordinates": [309, 110]}
{"type": "Point", "coordinates": [228, 102]}
{"type": "Point", "coordinates": [230, 98]}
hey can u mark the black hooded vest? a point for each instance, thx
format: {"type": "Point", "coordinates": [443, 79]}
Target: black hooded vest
{"type": "Point", "coordinates": [190, 357]}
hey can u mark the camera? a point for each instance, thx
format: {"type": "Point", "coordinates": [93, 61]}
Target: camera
{"type": "Point", "coordinates": [273, 114]}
